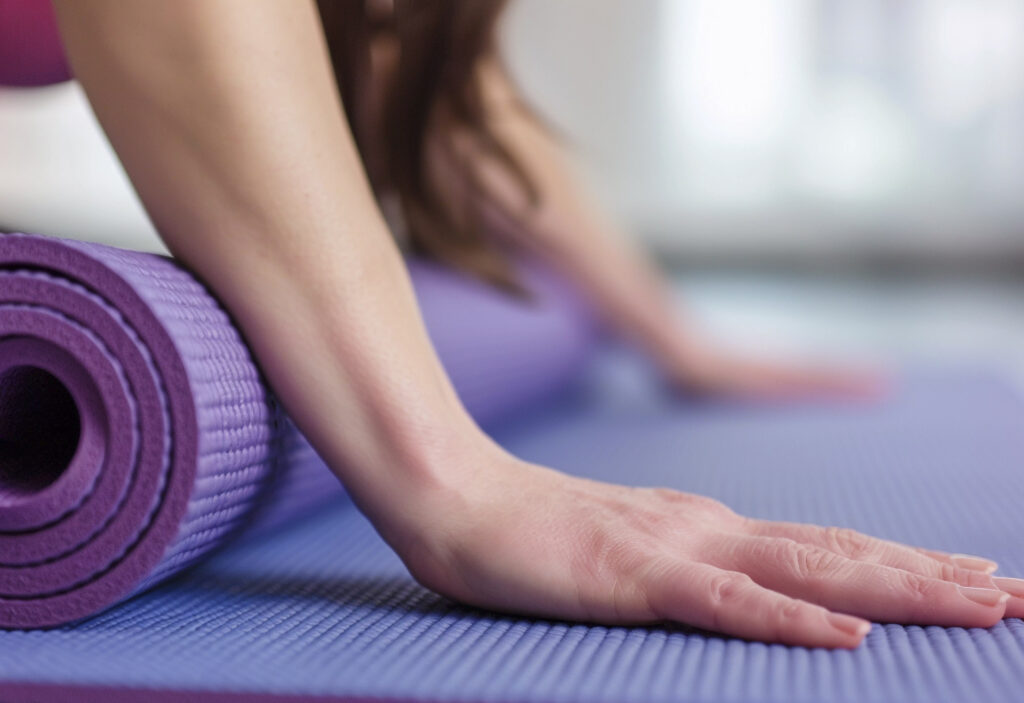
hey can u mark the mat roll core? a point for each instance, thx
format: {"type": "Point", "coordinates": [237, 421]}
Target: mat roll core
{"type": "Point", "coordinates": [137, 434]}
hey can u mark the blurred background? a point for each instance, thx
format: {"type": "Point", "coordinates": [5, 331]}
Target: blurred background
{"type": "Point", "coordinates": [815, 129]}
{"type": "Point", "coordinates": [839, 177]}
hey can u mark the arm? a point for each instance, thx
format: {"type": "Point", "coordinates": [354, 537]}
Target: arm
{"type": "Point", "coordinates": [226, 118]}
{"type": "Point", "coordinates": [572, 233]}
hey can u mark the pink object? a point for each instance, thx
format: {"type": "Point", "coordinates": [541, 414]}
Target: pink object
{"type": "Point", "coordinates": [31, 53]}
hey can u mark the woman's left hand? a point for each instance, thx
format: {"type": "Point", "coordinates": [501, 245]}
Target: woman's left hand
{"type": "Point", "coordinates": [713, 372]}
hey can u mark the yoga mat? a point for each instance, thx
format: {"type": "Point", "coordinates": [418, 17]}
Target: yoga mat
{"type": "Point", "coordinates": [136, 434]}
{"type": "Point", "coordinates": [325, 611]}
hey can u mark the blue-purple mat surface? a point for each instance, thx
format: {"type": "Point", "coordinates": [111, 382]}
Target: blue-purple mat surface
{"type": "Point", "coordinates": [323, 608]}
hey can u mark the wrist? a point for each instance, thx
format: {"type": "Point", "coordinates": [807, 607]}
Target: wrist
{"type": "Point", "coordinates": [428, 484]}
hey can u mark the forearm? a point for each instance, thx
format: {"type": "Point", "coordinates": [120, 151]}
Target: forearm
{"type": "Point", "coordinates": [629, 293]}
{"type": "Point", "coordinates": [228, 123]}
{"type": "Point", "coordinates": [573, 234]}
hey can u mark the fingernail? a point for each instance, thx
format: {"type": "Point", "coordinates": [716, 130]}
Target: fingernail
{"type": "Point", "coordinates": [849, 624]}
{"type": "Point", "coordinates": [988, 597]}
{"type": "Point", "coordinates": [966, 561]}
{"type": "Point", "coordinates": [1015, 587]}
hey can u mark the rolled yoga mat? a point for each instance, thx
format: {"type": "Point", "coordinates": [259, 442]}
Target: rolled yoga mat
{"type": "Point", "coordinates": [137, 435]}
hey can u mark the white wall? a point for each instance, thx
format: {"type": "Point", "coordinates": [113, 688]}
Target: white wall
{"type": "Point", "coordinates": [59, 175]}
{"type": "Point", "coordinates": [791, 125]}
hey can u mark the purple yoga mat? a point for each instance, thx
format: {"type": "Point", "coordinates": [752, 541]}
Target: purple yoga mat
{"type": "Point", "coordinates": [136, 433]}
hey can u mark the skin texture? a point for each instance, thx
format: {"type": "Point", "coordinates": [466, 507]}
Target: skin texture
{"type": "Point", "coordinates": [226, 118]}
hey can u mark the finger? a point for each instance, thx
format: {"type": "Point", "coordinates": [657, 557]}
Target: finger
{"type": "Point", "coordinates": [771, 381]}
{"type": "Point", "coordinates": [1015, 587]}
{"type": "Point", "coordinates": [964, 561]}
{"type": "Point", "coordinates": [874, 591]}
{"type": "Point", "coordinates": [802, 381]}
{"type": "Point", "coordinates": [856, 545]}
{"type": "Point", "coordinates": [731, 603]}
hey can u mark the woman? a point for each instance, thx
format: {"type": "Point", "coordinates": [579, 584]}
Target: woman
{"type": "Point", "coordinates": [226, 116]}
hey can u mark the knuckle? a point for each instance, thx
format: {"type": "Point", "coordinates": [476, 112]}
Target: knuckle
{"type": "Point", "coordinates": [850, 543]}
{"type": "Point", "coordinates": [726, 589]}
{"type": "Point", "coordinates": [917, 588]}
{"type": "Point", "coordinates": [630, 600]}
{"type": "Point", "coordinates": [963, 577]}
{"type": "Point", "coordinates": [613, 578]}
{"type": "Point", "coordinates": [790, 610]}
{"type": "Point", "coordinates": [694, 506]}
{"type": "Point", "coordinates": [602, 558]}
{"type": "Point", "coordinates": [667, 495]}
{"type": "Point", "coordinates": [693, 502]}
{"type": "Point", "coordinates": [653, 585]}
{"type": "Point", "coordinates": [813, 563]}
{"type": "Point", "coordinates": [948, 572]}
{"type": "Point", "coordinates": [711, 504]}
{"type": "Point", "coordinates": [783, 615]}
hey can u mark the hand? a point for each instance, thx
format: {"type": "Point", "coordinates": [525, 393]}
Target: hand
{"type": "Point", "coordinates": [526, 539]}
{"type": "Point", "coordinates": [714, 372]}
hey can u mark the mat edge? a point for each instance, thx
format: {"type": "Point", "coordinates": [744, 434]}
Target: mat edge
{"type": "Point", "coordinates": [35, 692]}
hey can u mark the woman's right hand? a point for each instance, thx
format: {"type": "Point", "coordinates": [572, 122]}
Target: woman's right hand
{"type": "Point", "coordinates": [521, 538]}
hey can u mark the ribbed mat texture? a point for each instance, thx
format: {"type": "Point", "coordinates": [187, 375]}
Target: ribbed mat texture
{"type": "Point", "coordinates": [136, 433]}
{"type": "Point", "coordinates": [324, 610]}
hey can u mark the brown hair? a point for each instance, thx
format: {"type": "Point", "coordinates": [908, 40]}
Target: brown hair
{"type": "Point", "coordinates": [432, 93]}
